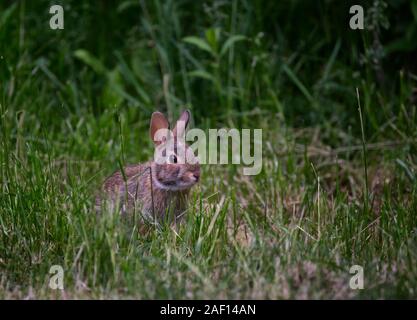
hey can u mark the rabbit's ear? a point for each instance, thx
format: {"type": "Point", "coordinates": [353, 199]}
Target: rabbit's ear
{"type": "Point", "coordinates": [182, 123]}
{"type": "Point", "coordinates": [158, 121]}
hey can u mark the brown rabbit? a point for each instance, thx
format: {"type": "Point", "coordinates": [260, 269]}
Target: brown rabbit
{"type": "Point", "coordinates": [157, 189]}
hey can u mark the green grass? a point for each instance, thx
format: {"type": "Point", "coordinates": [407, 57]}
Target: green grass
{"type": "Point", "coordinates": [338, 186]}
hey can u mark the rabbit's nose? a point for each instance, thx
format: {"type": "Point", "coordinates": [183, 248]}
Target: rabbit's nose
{"type": "Point", "coordinates": [196, 176]}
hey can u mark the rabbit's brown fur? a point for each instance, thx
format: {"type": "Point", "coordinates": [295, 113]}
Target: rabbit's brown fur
{"type": "Point", "coordinates": [157, 190]}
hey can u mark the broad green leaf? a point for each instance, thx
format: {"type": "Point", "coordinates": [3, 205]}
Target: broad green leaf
{"type": "Point", "coordinates": [230, 42]}
{"type": "Point", "coordinates": [200, 43]}
{"type": "Point", "coordinates": [213, 37]}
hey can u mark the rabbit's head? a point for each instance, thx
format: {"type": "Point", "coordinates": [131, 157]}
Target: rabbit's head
{"type": "Point", "coordinates": [175, 166]}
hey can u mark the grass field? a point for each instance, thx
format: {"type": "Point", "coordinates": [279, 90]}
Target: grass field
{"type": "Point", "coordinates": [338, 112]}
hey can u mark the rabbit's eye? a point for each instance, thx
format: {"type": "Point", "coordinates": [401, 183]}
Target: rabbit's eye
{"type": "Point", "coordinates": [173, 158]}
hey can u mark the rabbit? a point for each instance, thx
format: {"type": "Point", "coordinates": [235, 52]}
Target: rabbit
{"type": "Point", "coordinates": [159, 188]}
